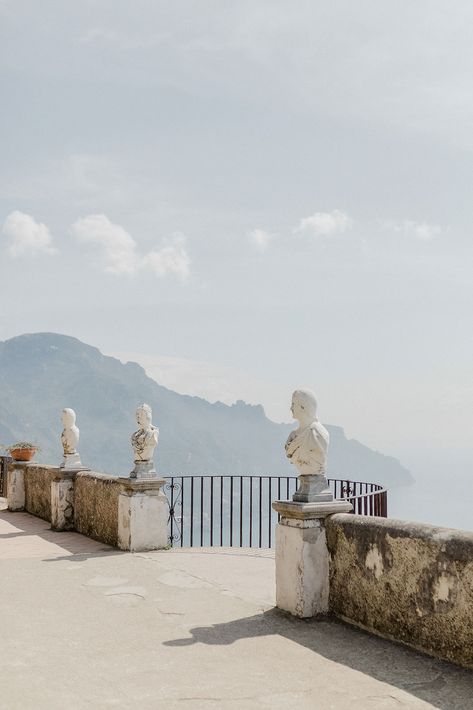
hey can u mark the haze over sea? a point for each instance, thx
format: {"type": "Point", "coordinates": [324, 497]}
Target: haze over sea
{"type": "Point", "coordinates": [252, 197]}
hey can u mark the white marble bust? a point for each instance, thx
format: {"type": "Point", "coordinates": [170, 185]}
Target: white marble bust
{"type": "Point", "coordinates": [70, 439]}
{"type": "Point", "coordinates": [70, 433]}
{"type": "Point", "coordinates": [144, 441]}
{"type": "Point", "coordinates": [307, 446]}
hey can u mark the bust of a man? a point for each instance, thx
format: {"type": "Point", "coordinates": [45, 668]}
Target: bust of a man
{"type": "Point", "coordinates": [144, 441]}
{"type": "Point", "coordinates": [70, 433]}
{"type": "Point", "coordinates": [307, 446]}
{"type": "Point", "coordinates": [70, 440]}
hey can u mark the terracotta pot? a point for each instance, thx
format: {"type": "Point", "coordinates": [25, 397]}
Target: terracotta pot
{"type": "Point", "coordinates": [22, 454]}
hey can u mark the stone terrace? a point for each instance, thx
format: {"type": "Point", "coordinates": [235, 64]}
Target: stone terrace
{"type": "Point", "coordinates": [87, 626]}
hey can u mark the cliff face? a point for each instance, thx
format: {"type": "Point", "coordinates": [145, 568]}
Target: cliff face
{"type": "Point", "coordinates": [42, 373]}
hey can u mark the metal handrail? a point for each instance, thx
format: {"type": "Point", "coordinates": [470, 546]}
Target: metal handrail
{"type": "Point", "coordinates": [237, 510]}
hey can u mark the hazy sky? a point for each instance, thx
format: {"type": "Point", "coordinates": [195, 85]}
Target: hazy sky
{"type": "Point", "coordinates": [249, 197]}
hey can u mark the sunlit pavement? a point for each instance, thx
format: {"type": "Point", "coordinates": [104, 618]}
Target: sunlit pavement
{"type": "Point", "coordinates": [86, 626]}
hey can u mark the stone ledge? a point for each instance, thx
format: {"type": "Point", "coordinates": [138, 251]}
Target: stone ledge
{"type": "Point", "coordinates": [141, 485]}
{"type": "Point", "coordinates": [87, 473]}
{"type": "Point", "coordinates": [309, 511]}
{"type": "Point", "coordinates": [402, 528]}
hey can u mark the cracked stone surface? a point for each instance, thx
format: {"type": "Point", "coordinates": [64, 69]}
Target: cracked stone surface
{"type": "Point", "coordinates": [86, 626]}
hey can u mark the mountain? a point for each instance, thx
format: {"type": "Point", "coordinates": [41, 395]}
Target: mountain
{"type": "Point", "coordinates": [42, 373]}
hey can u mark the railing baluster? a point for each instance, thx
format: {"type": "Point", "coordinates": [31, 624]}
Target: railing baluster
{"type": "Point", "coordinates": [211, 511]}
{"type": "Point", "coordinates": [270, 522]}
{"type": "Point", "coordinates": [182, 511]}
{"type": "Point", "coordinates": [231, 511]}
{"type": "Point", "coordinates": [260, 510]}
{"type": "Point", "coordinates": [279, 494]}
{"type": "Point", "coordinates": [250, 479]}
{"type": "Point", "coordinates": [171, 510]}
{"type": "Point", "coordinates": [241, 511]}
{"type": "Point", "coordinates": [201, 511]}
{"type": "Point", "coordinates": [221, 511]}
{"type": "Point", "coordinates": [192, 513]}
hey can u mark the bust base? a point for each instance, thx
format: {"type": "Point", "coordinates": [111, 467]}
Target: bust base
{"type": "Point", "coordinates": [72, 462]}
{"type": "Point", "coordinates": [313, 488]}
{"type": "Point", "coordinates": [144, 469]}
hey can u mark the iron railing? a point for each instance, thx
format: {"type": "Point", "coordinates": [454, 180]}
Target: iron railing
{"type": "Point", "coordinates": [4, 460]}
{"type": "Point", "coordinates": [236, 511]}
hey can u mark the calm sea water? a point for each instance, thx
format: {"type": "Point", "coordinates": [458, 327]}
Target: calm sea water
{"type": "Point", "coordinates": [441, 495]}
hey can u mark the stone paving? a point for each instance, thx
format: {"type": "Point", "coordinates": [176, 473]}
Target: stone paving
{"type": "Point", "coordinates": [86, 626]}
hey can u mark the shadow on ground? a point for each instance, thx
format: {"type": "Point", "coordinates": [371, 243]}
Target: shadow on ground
{"type": "Point", "coordinates": [74, 544]}
{"type": "Point", "coordinates": [442, 684]}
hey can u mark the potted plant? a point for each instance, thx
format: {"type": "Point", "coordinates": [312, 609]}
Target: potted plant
{"type": "Point", "coordinates": [22, 450]}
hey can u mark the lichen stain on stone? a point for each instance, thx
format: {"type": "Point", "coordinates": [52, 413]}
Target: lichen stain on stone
{"type": "Point", "coordinates": [374, 561]}
{"type": "Point", "coordinates": [443, 588]}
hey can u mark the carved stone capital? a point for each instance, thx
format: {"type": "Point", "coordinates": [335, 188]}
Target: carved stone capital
{"type": "Point", "coordinates": [150, 486]}
{"type": "Point", "coordinates": [293, 511]}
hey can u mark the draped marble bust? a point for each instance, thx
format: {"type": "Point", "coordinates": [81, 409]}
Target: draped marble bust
{"type": "Point", "coordinates": [70, 440]}
{"type": "Point", "coordinates": [144, 442]}
{"type": "Point", "coordinates": [307, 447]}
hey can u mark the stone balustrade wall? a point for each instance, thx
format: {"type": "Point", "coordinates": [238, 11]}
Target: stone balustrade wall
{"type": "Point", "coordinates": [38, 490]}
{"type": "Point", "coordinates": [129, 513]}
{"type": "Point", "coordinates": [405, 581]}
{"type": "Point", "coordinates": [95, 499]}
{"type": "Point", "coordinates": [96, 506]}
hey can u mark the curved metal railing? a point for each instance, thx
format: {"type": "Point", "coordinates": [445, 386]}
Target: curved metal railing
{"type": "Point", "coordinates": [366, 498]}
{"type": "Point", "coordinates": [236, 511]}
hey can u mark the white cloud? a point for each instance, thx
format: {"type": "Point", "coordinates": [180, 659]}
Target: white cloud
{"type": "Point", "coordinates": [27, 236]}
{"type": "Point", "coordinates": [324, 223]}
{"type": "Point", "coordinates": [119, 251]}
{"type": "Point", "coordinates": [260, 239]}
{"type": "Point", "coordinates": [118, 248]}
{"type": "Point", "coordinates": [420, 230]}
{"type": "Point", "coordinates": [172, 258]}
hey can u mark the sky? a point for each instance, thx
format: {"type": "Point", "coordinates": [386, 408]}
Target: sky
{"type": "Point", "coordinates": [249, 197]}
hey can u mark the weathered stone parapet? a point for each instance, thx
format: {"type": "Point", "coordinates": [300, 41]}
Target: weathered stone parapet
{"type": "Point", "coordinates": [29, 488]}
{"type": "Point", "coordinates": [96, 506]}
{"type": "Point", "coordinates": [143, 513]}
{"type": "Point", "coordinates": [302, 558]}
{"type": "Point", "coordinates": [16, 496]}
{"type": "Point", "coordinates": [38, 480]}
{"type": "Point", "coordinates": [406, 581]}
{"type": "Point", "coordinates": [62, 500]}
{"type": "Point", "coordinates": [129, 513]}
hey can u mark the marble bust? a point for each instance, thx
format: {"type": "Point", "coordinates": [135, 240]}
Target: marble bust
{"type": "Point", "coordinates": [144, 442]}
{"type": "Point", "coordinates": [307, 447]}
{"type": "Point", "coordinates": [70, 440]}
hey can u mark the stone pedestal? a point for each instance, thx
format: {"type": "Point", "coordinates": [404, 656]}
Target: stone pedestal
{"type": "Point", "coordinates": [144, 469]}
{"type": "Point", "coordinates": [143, 514]}
{"type": "Point", "coordinates": [16, 497]}
{"type": "Point", "coordinates": [313, 488]}
{"type": "Point", "coordinates": [72, 462]}
{"type": "Point", "coordinates": [62, 500]}
{"type": "Point", "coordinates": [302, 557]}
